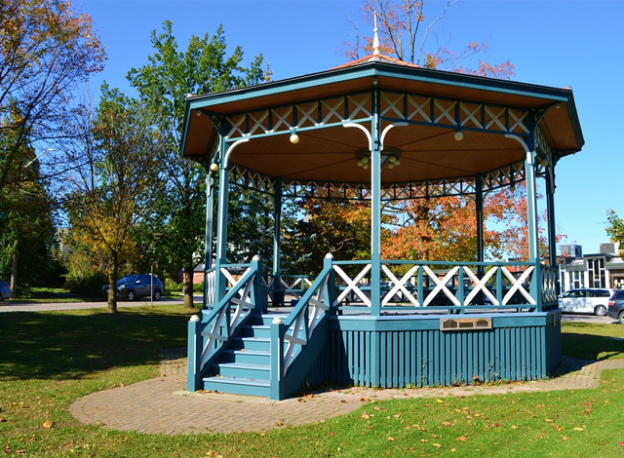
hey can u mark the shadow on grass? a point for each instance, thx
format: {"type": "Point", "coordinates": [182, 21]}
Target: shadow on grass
{"type": "Point", "coordinates": [591, 347]}
{"type": "Point", "coordinates": [73, 344]}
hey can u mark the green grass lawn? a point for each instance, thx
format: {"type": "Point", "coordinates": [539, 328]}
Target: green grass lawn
{"type": "Point", "coordinates": [48, 360]}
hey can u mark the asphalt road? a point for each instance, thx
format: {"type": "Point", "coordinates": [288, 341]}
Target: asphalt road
{"type": "Point", "coordinates": [56, 306]}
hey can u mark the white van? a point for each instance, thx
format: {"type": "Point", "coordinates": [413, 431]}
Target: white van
{"type": "Point", "coordinates": [585, 300]}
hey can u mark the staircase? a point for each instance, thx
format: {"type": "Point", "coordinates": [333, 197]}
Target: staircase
{"type": "Point", "coordinates": [244, 367]}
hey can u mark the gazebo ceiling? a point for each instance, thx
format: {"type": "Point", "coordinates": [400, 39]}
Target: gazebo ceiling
{"type": "Point", "coordinates": [428, 105]}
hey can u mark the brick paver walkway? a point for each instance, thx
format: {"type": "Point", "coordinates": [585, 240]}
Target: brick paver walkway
{"type": "Point", "coordinates": [161, 406]}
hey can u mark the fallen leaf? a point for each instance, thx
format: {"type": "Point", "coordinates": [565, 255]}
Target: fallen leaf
{"type": "Point", "coordinates": [343, 401]}
{"type": "Point", "coordinates": [376, 408]}
{"type": "Point", "coordinates": [48, 424]}
{"type": "Point", "coordinates": [424, 440]}
{"type": "Point", "coordinates": [462, 438]}
{"type": "Point", "coordinates": [437, 445]}
{"type": "Point", "coordinates": [279, 423]}
{"type": "Point", "coordinates": [447, 423]}
{"type": "Point", "coordinates": [391, 439]}
{"type": "Point", "coordinates": [514, 427]}
{"type": "Point", "coordinates": [579, 429]}
{"type": "Point", "coordinates": [549, 420]}
{"type": "Point", "coordinates": [365, 416]}
{"type": "Point", "coordinates": [439, 401]}
{"type": "Point", "coordinates": [397, 415]}
{"type": "Point", "coordinates": [2, 420]}
{"type": "Point", "coordinates": [331, 434]}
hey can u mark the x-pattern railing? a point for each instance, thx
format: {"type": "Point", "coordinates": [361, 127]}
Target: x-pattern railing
{"type": "Point", "coordinates": [352, 285]}
{"type": "Point", "coordinates": [451, 284]}
{"type": "Point", "coordinates": [224, 320]}
{"type": "Point", "coordinates": [303, 320]}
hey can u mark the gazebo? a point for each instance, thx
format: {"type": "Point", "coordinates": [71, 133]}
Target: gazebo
{"type": "Point", "coordinates": [378, 130]}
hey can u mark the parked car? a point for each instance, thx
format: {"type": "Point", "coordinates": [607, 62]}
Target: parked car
{"type": "Point", "coordinates": [616, 305]}
{"type": "Point", "coordinates": [5, 291]}
{"type": "Point", "coordinates": [136, 286]}
{"type": "Point", "coordinates": [585, 300]}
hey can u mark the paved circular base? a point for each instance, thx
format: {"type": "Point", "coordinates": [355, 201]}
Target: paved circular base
{"type": "Point", "coordinates": [161, 406]}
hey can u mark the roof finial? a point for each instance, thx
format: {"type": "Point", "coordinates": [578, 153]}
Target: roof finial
{"type": "Point", "coordinates": [376, 38]}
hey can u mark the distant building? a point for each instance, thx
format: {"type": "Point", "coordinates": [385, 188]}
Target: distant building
{"type": "Point", "coordinates": [572, 250]}
{"type": "Point", "coordinates": [601, 270]}
{"type": "Point", "coordinates": [612, 248]}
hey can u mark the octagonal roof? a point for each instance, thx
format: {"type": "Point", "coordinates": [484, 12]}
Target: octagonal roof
{"type": "Point", "coordinates": [426, 106]}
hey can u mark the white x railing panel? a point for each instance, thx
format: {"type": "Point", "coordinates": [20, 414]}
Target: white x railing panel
{"type": "Point", "coordinates": [352, 285]}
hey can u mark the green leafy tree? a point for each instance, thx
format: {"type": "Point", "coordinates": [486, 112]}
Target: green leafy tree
{"type": "Point", "coordinates": [27, 229]}
{"type": "Point", "coordinates": [615, 229]}
{"type": "Point", "coordinates": [204, 67]}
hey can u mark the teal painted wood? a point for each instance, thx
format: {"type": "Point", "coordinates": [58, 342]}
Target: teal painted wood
{"type": "Point", "coordinates": [193, 382]}
{"type": "Point", "coordinates": [277, 358]}
{"type": "Point", "coordinates": [426, 356]}
{"type": "Point", "coordinates": [310, 360]}
{"type": "Point", "coordinates": [237, 386]}
{"type": "Point", "coordinates": [208, 299]}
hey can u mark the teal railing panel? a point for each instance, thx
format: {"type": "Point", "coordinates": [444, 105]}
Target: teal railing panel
{"type": "Point", "coordinates": [302, 335]}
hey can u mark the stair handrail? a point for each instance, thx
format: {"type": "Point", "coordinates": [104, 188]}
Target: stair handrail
{"type": "Point", "coordinates": [300, 319]}
{"type": "Point", "coordinates": [222, 313]}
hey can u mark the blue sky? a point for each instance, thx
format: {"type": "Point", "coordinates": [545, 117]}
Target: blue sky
{"type": "Point", "coordinates": [573, 44]}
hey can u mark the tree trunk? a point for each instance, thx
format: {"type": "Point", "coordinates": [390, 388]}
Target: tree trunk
{"type": "Point", "coordinates": [187, 286]}
{"type": "Point", "coordinates": [13, 280]}
{"type": "Point", "coordinates": [112, 287]}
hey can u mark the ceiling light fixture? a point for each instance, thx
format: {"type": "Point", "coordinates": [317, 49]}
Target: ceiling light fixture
{"type": "Point", "coordinates": [389, 156]}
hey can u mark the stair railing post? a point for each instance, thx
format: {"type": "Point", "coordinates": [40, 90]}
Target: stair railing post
{"type": "Point", "coordinates": [277, 358]}
{"type": "Point", "coordinates": [259, 298]}
{"type": "Point", "coordinates": [330, 286]}
{"type": "Point", "coordinates": [195, 343]}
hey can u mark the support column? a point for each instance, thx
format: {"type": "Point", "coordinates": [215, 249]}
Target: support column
{"type": "Point", "coordinates": [375, 209]}
{"type": "Point", "coordinates": [531, 205]}
{"type": "Point", "coordinates": [479, 205]}
{"type": "Point", "coordinates": [209, 231]}
{"type": "Point", "coordinates": [480, 244]}
{"type": "Point", "coordinates": [278, 296]}
{"type": "Point", "coordinates": [222, 213]}
{"type": "Point", "coordinates": [550, 210]}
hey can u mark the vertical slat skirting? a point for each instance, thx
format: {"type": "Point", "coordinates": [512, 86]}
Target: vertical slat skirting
{"type": "Point", "coordinates": [428, 357]}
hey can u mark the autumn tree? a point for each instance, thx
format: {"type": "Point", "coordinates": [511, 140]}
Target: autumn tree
{"type": "Point", "coordinates": [341, 228]}
{"type": "Point", "coordinates": [112, 179]}
{"type": "Point", "coordinates": [204, 67]}
{"type": "Point", "coordinates": [405, 33]}
{"type": "Point", "coordinates": [47, 49]}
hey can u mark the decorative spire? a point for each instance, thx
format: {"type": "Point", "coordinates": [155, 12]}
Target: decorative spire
{"type": "Point", "coordinates": [376, 38]}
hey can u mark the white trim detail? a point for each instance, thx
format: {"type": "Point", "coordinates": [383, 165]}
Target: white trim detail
{"type": "Point", "coordinates": [226, 160]}
{"type": "Point", "coordinates": [363, 129]}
